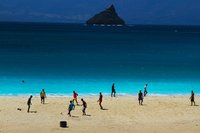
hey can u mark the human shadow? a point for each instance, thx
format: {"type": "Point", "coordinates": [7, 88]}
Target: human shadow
{"type": "Point", "coordinates": [32, 111]}
{"type": "Point", "coordinates": [104, 109]}
{"type": "Point", "coordinates": [193, 105]}
{"type": "Point", "coordinates": [74, 116]}
{"type": "Point", "coordinates": [87, 115]}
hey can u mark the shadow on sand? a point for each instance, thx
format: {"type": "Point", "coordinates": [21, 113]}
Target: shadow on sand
{"type": "Point", "coordinates": [87, 115]}
{"type": "Point", "coordinates": [32, 111]}
{"type": "Point", "coordinates": [75, 116]}
{"type": "Point", "coordinates": [104, 109]}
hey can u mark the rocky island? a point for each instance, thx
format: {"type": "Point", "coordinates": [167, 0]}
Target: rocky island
{"type": "Point", "coordinates": [106, 17]}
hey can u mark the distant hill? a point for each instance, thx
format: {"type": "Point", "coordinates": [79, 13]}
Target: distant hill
{"type": "Point", "coordinates": [108, 17]}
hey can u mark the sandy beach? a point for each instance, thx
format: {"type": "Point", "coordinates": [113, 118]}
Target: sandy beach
{"type": "Point", "coordinates": [159, 114]}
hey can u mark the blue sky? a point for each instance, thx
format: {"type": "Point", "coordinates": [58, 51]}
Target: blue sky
{"type": "Point", "coordinates": [184, 12]}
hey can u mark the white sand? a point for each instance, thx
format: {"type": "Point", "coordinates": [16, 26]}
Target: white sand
{"type": "Point", "coordinates": [170, 114]}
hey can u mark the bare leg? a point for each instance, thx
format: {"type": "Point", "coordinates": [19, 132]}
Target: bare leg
{"type": "Point", "coordinates": [100, 105]}
{"type": "Point", "coordinates": [84, 111]}
{"type": "Point", "coordinates": [76, 102]}
{"type": "Point", "coordinates": [69, 113]}
{"type": "Point", "coordinates": [28, 108]}
{"type": "Point", "coordinates": [140, 102]}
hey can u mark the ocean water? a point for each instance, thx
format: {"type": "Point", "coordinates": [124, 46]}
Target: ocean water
{"type": "Point", "coordinates": [64, 57]}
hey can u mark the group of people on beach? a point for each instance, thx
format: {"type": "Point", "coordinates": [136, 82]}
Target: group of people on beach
{"type": "Point", "coordinates": [113, 94]}
{"type": "Point", "coordinates": [42, 96]}
{"type": "Point", "coordinates": [72, 105]}
{"type": "Point", "coordinates": [141, 96]}
{"type": "Point", "coordinates": [84, 104]}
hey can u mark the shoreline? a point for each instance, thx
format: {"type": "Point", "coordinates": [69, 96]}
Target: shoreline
{"type": "Point", "coordinates": [96, 94]}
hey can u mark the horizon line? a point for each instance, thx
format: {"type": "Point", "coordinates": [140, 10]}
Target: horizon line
{"type": "Point", "coordinates": [77, 23]}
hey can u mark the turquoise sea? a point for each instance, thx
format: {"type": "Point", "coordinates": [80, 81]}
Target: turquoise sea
{"type": "Point", "coordinates": [64, 57]}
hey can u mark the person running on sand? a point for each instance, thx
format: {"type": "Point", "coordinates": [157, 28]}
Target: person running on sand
{"type": "Point", "coordinates": [100, 100]}
{"type": "Point", "coordinates": [140, 97]}
{"type": "Point", "coordinates": [113, 92]}
{"type": "Point", "coordinates": [29, 103]}
{"type": "Point", "coordinates": [192, 98]}
{"type": "Point", "coordinates": [145, 90]}
{"type": "Point", "coordinates": [84, 106]}
{"type": "Point", "coordinates": [42, 96]}
{"type": "Point", "coordinates": [75, 95]}
{"type": "Point", "coordinates": [71, 107]}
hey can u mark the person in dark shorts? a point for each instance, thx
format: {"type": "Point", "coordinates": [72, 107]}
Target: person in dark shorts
{"type": "Point", "coordinates": [192, 98]}
{"type": "Point", "coordinates": [145, 90]}
{"type": "Point", "coordinates": [100, 100]}
{"type": "Point", "coordinates": [42, 96]}
{"type": "Point", "coordinates": [29, 103]}
{"type": "Point", "coordinates": [84, 106]}
{"type": "Point", "coordinates": [113, 92]}
{"type": "Point", "coordinates": [140, 97]}
{"type": "Point", "coordinates": [71, 107]}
